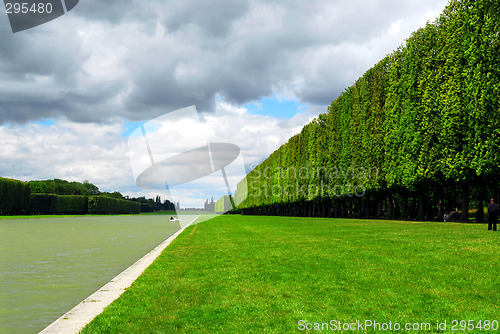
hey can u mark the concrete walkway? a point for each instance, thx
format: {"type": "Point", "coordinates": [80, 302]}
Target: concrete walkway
{"type": "Point", "coordinates": [73, 321]}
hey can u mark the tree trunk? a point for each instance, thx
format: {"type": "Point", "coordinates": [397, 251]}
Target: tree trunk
{"type": "Point", "coordinates": [390, 199]}
{"type": "Point", "coordinates": [380, 206]}
{"type": "Point", "coordinates": [480, 207]}
{"type": "Point", "coordinates": [414, 206]}
{"type": "Point", "coordinates": [352, 206]}
{"type": "Point", "coordinates": [367, 206]}
{"type": "Point", "coordinates": [343, 212]}
{"type": "Point", "coordinates": [359, 204]}
{"type": "Point", "coordinates": [440, 204]}
{"type": "Point", "coordinates": [464, 217]}
{"type": "Point", "coordinates": [421, 206]}
{"type": "Point", "coordinates": [404, 205]}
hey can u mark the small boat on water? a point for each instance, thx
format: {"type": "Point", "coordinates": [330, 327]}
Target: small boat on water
{"type": "Point", "coordinates": [174, 219]}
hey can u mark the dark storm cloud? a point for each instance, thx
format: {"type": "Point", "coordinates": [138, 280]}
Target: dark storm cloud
{"type": "Point", "coordinates": [213, 17]}
{"type": "Point", "coordinates": [156, 93]}
{"type": "Point", "coordinates": [111, 11]}
{"type": "Point", "coordinates": [139, 59]}
{"type": "Point", "coordinates": [22, 57]}
{"type": "Point", "coordinates": [243, 72]}
{"type": "Point", "coordinates": [22, 111]}
{"type": "Point", "coordinates": [73, 105]}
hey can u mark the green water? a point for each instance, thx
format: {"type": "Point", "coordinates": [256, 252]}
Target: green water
{"type": "Point", "coordinates": [49, 265]}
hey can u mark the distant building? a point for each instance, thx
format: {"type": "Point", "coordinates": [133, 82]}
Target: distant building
{"type": "Point", "coordinates": [210, 206]}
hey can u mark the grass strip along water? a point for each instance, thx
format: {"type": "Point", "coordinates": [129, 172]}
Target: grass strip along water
{"type": "Point", "coordinates": [248, 274]}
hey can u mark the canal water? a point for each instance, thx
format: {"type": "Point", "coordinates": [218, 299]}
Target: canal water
{"type": "Point", "coordinates": [49, 265]}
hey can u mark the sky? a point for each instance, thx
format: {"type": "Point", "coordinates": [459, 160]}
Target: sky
{"type": "Point", "coordinates": [73, 90]}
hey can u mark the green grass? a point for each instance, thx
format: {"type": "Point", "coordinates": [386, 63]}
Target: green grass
{"type": "Point", "coordinates": [244, 274]}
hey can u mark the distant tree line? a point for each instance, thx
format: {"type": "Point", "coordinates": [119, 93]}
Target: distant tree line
{"type": "Point", "coordinates": [63, 187]}
{"type": "Point", "coordinates": [150, 205]}
{"type": "Point", "coordinates": [63, 197]}
{"type": "Point", "coordinates": [416, 136]}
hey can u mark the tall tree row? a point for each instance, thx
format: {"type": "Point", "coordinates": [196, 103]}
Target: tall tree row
{"type": "Point", "coordinates": [14, 196]}
{"type": "Point", "coordinates": [416, 136]}
{"type": "Point", "coordinates": [17, 197]}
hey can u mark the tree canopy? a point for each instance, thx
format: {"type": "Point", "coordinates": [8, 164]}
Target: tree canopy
{"type": "Point", "coordinates": [418, 133]}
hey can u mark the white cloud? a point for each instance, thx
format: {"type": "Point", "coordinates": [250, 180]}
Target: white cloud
{"type": "Point", "coordinates": [98, 152]}
{"type": "Point", "coordinates": [65, 150]}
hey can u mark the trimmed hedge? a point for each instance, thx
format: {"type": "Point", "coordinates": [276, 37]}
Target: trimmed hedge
{"type": "Point", "coordinates": [416, 136]}
{"type": "Point", "coordinates": [43, 204]}
{"type": "Point", "coordinates": [49, 204]}
{"type": "Point", "coordinates": [14, 196]}
{"type": "Point", "coordinates": [108, 205]}
{"type": "Point", "coordinates": [223, 204]}
{"type": "Point", "coordinates": [71, 204]}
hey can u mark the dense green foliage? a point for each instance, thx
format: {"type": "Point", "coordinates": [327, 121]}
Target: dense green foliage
{"type": "Point", "coordinates": [17, 197]}
{"type": "Point", "coordinates": [248, 274]}
{"type": "Point", "coordinates": [63, 187]}
{"type": "Point", "coordinates": [14, 196]}
{"type": "Point", "coordinates": [223, 204]}
{"type": "Point", "coordinates": [109, 205]}
{"type": "Point", "coordinates": [43, 204]}
{"type": "Point", "coordinates": [46, 204]}
{"type": "Point", "coordinates": [71, 204]}
{"type": "Point", "coordinates": [416, 136]}
{"type": "Point", "coordinates": [150, 205]}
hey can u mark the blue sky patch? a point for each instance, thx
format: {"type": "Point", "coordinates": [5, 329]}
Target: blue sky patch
{"type": "Point", "coordinates": [45, 122]}
{"type": "Point", "coordinates": [129, 127]}
{"type": "Point", "coordinates": [275, 107]}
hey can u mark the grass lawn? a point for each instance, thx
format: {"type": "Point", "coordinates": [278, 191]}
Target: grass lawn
{"type": "Point", "coordinates": [249, 274]}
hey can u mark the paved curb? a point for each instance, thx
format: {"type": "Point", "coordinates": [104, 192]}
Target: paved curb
{"type": "Point", "coordinates": [74, 320]}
